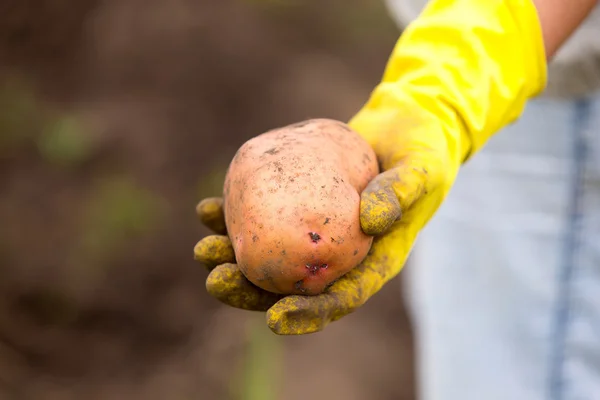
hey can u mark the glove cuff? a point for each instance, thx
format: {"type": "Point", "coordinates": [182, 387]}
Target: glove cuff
{"type": "Point", "coordinates": [470, 64]}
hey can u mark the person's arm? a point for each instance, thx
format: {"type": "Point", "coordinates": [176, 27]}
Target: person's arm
{"type": "Point", "coordinates": [559, 19]}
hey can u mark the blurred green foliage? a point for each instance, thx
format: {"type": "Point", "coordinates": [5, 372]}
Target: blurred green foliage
{"type": "Point", "coordinates": [119, 210]}
{"type": "Point", "coordinates": [63, 142]}
{"type": "Point", "coordinates": [25, 120]}
{"type": "Point", "coordinates": [262, 374]}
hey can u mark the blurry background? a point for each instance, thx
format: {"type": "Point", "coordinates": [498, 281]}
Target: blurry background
{"type": "Point", "coordinates": [116, 118]}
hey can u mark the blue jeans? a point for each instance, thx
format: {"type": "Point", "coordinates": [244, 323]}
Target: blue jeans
{"type": "Point", "coordinates": [504, 282]}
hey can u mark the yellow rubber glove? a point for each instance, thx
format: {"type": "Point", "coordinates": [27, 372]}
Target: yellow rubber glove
{"type": "Point", "coordinates": [459, 73]}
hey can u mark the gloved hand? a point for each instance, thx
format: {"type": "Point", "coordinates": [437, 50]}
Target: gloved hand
{"type": "Point", "coordinates": [450, 84]}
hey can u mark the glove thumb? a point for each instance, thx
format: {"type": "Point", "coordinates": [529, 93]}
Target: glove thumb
{"type": "Point", "coordinates": [389, 195]}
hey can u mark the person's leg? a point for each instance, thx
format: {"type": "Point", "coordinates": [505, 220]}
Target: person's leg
{"type": "Point", "coordinates": [501, 283]}
{"type": "Point", "coordinates": [576, 363]}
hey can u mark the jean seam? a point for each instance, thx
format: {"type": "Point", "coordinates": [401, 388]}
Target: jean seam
{"type": "Point", "coordinates": [557, 380]}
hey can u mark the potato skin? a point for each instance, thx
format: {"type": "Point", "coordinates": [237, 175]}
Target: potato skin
{"type": "Point", "coordinates": [291, 202]}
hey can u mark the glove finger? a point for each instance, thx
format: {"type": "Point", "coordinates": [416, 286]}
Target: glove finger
{"type": "Point", "coordinates": [210, 212]}
{"type": "Point", "coordinates": [379, 206]}
{"type": "Point", "coordinates": [300, 315]}
{"type": "Point", "coordinates": [390, 195]}
{"type": "Point", "coordinates": [214, 250]}
{"type": "Point", "coordinates": [229, 285]}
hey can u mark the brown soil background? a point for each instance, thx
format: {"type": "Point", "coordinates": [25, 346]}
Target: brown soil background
{"type": "Point", "coordinates": [116, 117]}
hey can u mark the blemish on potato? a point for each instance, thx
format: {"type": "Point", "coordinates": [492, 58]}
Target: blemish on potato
{"type": "Point", "coordinates": [326, 221]}
{"type": "Point", "coordinates": [313, 269]}
{"type": "Point", "coordinates": [299, 286]}
{"type": "Point", "coordinates": [265, 274]}
{"type": "Point", "coordinates": [315, 237]}
{"type": "Point", "coordinates": [278, 166]}
{"type": "Point", "coordinates": [339, 240]}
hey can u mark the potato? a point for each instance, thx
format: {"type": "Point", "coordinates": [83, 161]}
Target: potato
{"type": "Point", "coordinates": [291, 203]}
